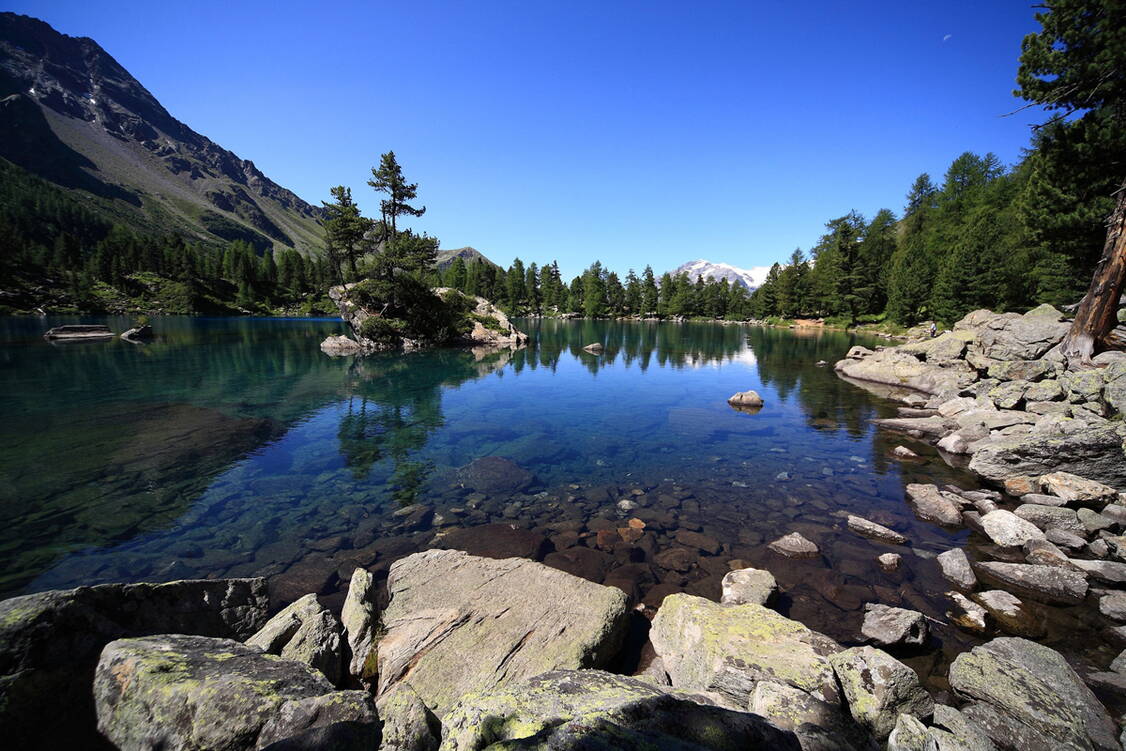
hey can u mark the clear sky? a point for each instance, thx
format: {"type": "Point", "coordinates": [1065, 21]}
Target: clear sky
{"type": "Point", "coordinates": [631, 132]}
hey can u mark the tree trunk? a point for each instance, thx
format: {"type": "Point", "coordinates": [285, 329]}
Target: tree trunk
{"type": "Point", "coordinates": [1098, 311]}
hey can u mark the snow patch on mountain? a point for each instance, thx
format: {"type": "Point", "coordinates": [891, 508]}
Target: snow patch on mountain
{"type": "Point", "coordinates": [751, 278]}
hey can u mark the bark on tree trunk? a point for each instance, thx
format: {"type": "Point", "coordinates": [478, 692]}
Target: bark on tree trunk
{"type": "Point", "coordinates": [1098, 311]}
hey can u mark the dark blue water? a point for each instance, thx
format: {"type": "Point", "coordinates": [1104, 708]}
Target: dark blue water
{"type": "Point", "coordinates": [234, 447]}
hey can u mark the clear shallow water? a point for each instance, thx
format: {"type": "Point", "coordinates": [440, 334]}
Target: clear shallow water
{"type": "Point", "coordinates": [234, 447]}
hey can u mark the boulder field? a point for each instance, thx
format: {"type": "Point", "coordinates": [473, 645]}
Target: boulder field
{"type": "Point", "coordinates": [478, 653]}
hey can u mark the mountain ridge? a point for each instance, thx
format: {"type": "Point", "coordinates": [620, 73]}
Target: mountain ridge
{"type": "Point", "coordinates": [751, 278]}
{"type": "Point", "coordinates": [71, 114]}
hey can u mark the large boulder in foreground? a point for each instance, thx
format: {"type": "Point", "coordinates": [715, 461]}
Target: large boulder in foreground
{"type": "Point", "coordinates": [1033, 686]}
{"type": "Point", "coordinates": [456, 623]}
{"type": "Point", "coordinates": [727, 649]}
{"type": "Point", "coordinates": [193, 692]}
{"type": "Point", "coordinates": [50, 643]}
{"type": "Point", "coordinates": [879, 688]}
{"type": "Point", "coordinates": [590, 709]}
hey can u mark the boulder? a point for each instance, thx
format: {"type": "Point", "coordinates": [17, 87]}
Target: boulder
{"type": "Point", "coordinates": [1091, 450]}
{"type": "Point", "coordinates": [748, 585]}
{"type": "Point", "coordinates": [879, 688]}
{"type": "Point", "coordinates": [894, 367]}
{"type": "Point", "coordinates": [1113, 606]}
{"type": "Point", "coordinates": [495, 474]}
{"type": "Point", "coordinates": [457, 623]}
{"type": "Point", "coordinates": [407, 724]}
{"type": "Point", "coordinates": [887, 626]}
{"type": "Point", "coordinates": [591, 709]}
{"type": "Point", "coordinates": [889, 562]}
{"type": "Point", "coordinates": [50, 643]}
{"type": "Point", "coordinates": [177, 691]}
{"type": "Point", "coordinates": [873, 531]}
{"type": "Point", "coordinates": [142, 333]}
{"type": "Point", "coordinates": [1093, 521]}
{"type": "Point", "coordinates": [1111, 572]}
{"type": "Point", "coordinates": [341, 346]}
{"type": "Point", "coordinates": [930, 505]}
{"type": "Point", "coordinates": [794, 545]}
{"type": "Point", "coordinates": [1010, 336]}
{"type": "Point", "coordinates": [1044, 391]}
{"type": "Point", "coordinates": [956, 568]}
{"type": "Point", "coordinates": [307, 632]}
{"type": "Point", "coordinates": [819, 726]}
{"type": "Point", "coordinates": [1019, 370]}
{"type": "Point", "coordinates": [1008, 530]}
{"type": "Point", "coordinates": [953, 731]}
{"type": "Point", "coordinates": [942, 349]}
{"type": "Point", "coordinates": [727, 649]}
{"type": "Point", "coordinates": [1047, 584]}
{"type": "Point", "coordinates": [745, 399]}
{"type": "Point", "coordinates": [904, 453]}
{"type": "Point", "coordinates": [908, 735]}
{"type": "Point", "coordinates": [1048, 517]}
{"type": "Point", "coordinates": [1073, 488]}
{"type": "Point", "coordinates": [1034, 686]}
{"type": "Point", "coordinates": [359, 620]}
{"type": "Point", "coordinates": [966, 614]}
{"type": "Point", "coordinates": [1045, 553]}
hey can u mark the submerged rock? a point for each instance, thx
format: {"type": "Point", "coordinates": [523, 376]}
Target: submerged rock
{"type": "Point", "coordinates": [727, 649]}
{"type": "Point", "coordinates": [931, 505]}
{"type": "Point", "coordinates": [79, 331]}
{"type": "Point", "coordinates": [590, 709]}
{"type": "Point", "coordinates": [457, 623]}
{"type": "Point", "coordinates": [888, 626]}
{"type": "Point", "coordinates": [1048, 584]}
{"type": "Point", "coordinates": [495, 474]}
{"type": "Point", "coordinates": [176, 691]}
{"type": "Point", "coordinates": [956, 568]}
{"type": "Point", "coordinates": [794, 545]}
{"type": "Point", "coordinates": [1033, 686]}
{"type": "Point", "coordinates": [871, 530]}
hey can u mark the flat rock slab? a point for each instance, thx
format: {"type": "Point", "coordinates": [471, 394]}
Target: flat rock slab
{"type": "Point", "coordinates": [873, 531]}
{"type": "Point", "coordinates": [931, 505]}
{"type": "Point", "coordinates": [887, 626]}
{"type": "Point", "coordinates": [727, 649]}
{"type": "Point", "coordinates": [1009, 530]}
{"type": "Point", "coordinates": [1073, 488]}
{"type": "Point", "coordinates": [195, 692]}
{"type": "Point", "coordinates": [591, 709]}
{"type": "Point", "coordinates": [1048, 584]}
{"type": "Point", "coordinates": [456, 623]}
{"type": "Point", "coordinates": [1034, 686]}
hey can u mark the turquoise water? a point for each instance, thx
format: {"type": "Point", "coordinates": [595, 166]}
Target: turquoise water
{"type": "Point", "coordinates": [234, 447]}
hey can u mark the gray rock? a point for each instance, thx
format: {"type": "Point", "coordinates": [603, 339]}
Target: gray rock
{"type": "Point", "coordinates": [902, 452]}
{"type": "Point", "coordinates": [1012, 615]}
{"type": "Point", "coordinates": [341, 346]}
{"type": "Point", "coordinates": [594, 348]}
{"type": "Point", "coordinates": [794, 545]}
{"type": "Point", "coordinates": [931, 506]}
{"type": "Point", "coordinates": [1073, 488]}
{"type": "Point", "coordinates": [908, 735]}
{"type": "Point", "coordinates": [1009, 530]}
{"type": "Point", "coordinates": [879, 688]}
{"type": "Point", "coordinates": [1041, 499]}
{"type": "Point", "coordinates": [1047, 584]}
{"type": "Point", "coordinates": [819, 726]}
{"type": "Point", "coordinates": [964, 734]}
{"type": "Point", "coordinates": [358, 618]}
{"type": "Point", "coordinates": [1044, 391]}
{"type": "Point", "coordinates": [407, 724]}
{"type": "Point", "coordinates": [871, 530]}
{"type": "Point", "coordinates": [1005, 731]}
{"type": "Point", "coordinates": [457, 623]}
{"type": "Point", "coordinates": [1064, 444]}
{"type": "Point", "coordinates": [757, 644]}
{"type": "Point", "coordinates": [142, 333]}
{"type": "Point", "coordinates": [967, 614]}
{"type": "Point", "coordinates": [1008, 395]}
{"type": "Point", "coordinates": [1019, 370]}
{"type": "Point", "coordinates": [1010, 336]}
{"type": "Point", "coordinates": [956, 568]}
{"type": "Point", "coordinates": [1113, 606]}
{"type": "Point", "coordinates": [895, 367]}
{"type": "Point", "coordinates": [495, 474]}
{"type": "Point", "coordinates": [1093, 521]}
{"type": "Point", "coordinates": [590, 709]}
{"type": "Point", "coordinates": [79, 331]}
{"type": "Point", "coordinates": [1118, 665]}
{"type": "Point", "coordinates": [1044, 553]}
{"type": "Point", "coordinates": [50, 643]}
{"type": "Point", "coordinates": [887, 626]}
{"type": "Point", "coordinates": [889, 561]}
{"type": "Point", "coordinates": [1065, 539]}
{"type": "Point", "coordinates": [1106, 571]}
{"type": "Point", "coordinates": [1034, 685]}
{"type": "Point", "coordinates": [307, 632]}
{"type": "Point", "coordinates": [1046, 517]}
{"type": "Point", "coordinates": [748, 585]}
{"type": "Point", "coordinates": [745, 399]}
{"type": "Point", "coordinates": [176, 691]}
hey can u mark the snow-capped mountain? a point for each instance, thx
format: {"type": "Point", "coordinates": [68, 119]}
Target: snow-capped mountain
{"type": "Point", "coordinates": [750, 278]}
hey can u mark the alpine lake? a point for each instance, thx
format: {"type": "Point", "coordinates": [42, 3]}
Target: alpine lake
{"type": "Point", "coordinates": [232, 447]}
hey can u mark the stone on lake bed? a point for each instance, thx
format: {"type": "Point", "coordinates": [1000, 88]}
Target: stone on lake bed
{"type": "Point", "coordinates": [887, 626]}
{"type": "Point", "coordinates": [745, 399]}
{"type": "Point", "coordinates": [1047, 584]}
{"type": "Point", "coordinates": [1008, 530]}
{"type": "Point", "coordinates": [794, 545]}
{"type": "Point", "coordinates": [495, 474]}
{"type": "Point", "coordinates": [699, 541]}
{"type": "Point", "coordinates": [457, 623]}
{"type": "Point", "coordinates": [1035, 687]}
{"type": "Point", "coordinates": [956, 568]}
{"type": "Point", "coordinates": [871, 530]}
{"type": "Point", "coordinates": [889, 561]}
{"type": "Point", "coordinates": [748, 585]}
{"type": "Point", "coordinates": [902, 452]}
{"type": "Point", "coordinates": [176, 691]}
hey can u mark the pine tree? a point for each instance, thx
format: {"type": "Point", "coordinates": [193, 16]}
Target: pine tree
{"type": "Point", "coordinates": [649, 292]}
{"type": "Point", "coordinates": [388, 178]}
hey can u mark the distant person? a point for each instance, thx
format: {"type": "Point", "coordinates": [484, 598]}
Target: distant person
{"type": "Point", "coordinates": [934, 329]}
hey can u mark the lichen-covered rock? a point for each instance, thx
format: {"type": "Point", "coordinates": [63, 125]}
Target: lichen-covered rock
{"type": "Point", "coordinates": [930, 505]}
{"type": "Point", "coordinates": [1047, 584]}
{"type": "Point", "coordinates": [1092, 450]}
{"type": "Point", "coordinates": [50, 643]}
{"type": "Point", "coordinates": [192, 692]}
{"type": "Point", "coordinates": [305, 631]}
{"type": "Point", "coordinates": [1008, 530]}
{"type": "Point", "coordinates": [1073, 488]}
{"type": "Point", "coordinates": [1012, 615]}
{"type": "Point", "coordinates": [819, 726]}
{"type": "Point", "coordinates": [457, 623]}
{"type": "Point", "coordinates": [956, 569]}
{"type": "Point", "coordinates": [358, 618]}
{"type": "Point", "coordinates": [879, 688]}
{"type": "Point", "coordinates": [590, 709]}
{"type": "Point", "coordinates": [748, 585]}
{"type": "Point", "coordinates": [1047, 517]}
{"type": "Point", "coordinates": [960, 734]}
{"type": "Point", "coordinates": [727, 649]}
{"type": "Point", "coordinates": [1034, 685]}
{"type": "Point", "coordinates": [908, 734]}
{"type": "Point", "coordinates": [407, 724]}
{"type": "Point", "coordinates": [888, 626]}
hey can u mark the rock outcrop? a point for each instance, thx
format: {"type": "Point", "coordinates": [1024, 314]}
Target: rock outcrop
{"type": "Point", "coordinates": [50, 643]}
{"type": "Point", "coordinates": [307, 632]}
{"type": "Point", "coordinates": [457, 623]}
{"type": "Point", "coordinates": [177, 691]}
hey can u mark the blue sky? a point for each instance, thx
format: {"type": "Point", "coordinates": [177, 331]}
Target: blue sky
{"type": "Point", "coordinates": [630, 132]}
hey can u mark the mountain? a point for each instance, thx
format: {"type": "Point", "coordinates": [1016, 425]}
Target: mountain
{"type": "Point", "coordinates": [751, 278]}
{"type": "Point", "coordinates": [467, 254]}
{"type": "Point", "coordinates": [72, 115]}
